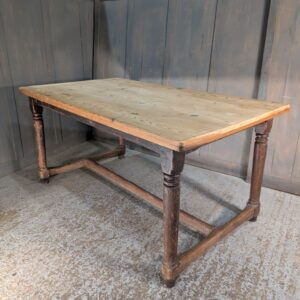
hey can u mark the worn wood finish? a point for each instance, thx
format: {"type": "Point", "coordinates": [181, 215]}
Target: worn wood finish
{"type": "Point", "coordinates": [173, 263]}
{"type": "Point", "coordinates": [184, 217]}
{"type": "Point", "coordinates": [216, 235]}
{"type": "Point", "coordinates": [90, 164]}
{"type": "Point", "coordinates": [202, 117]}
{"type": "Point", "coordinates": [171, 201]}
{"type": "Point", "coordinates": [38, 125]}
{"type": "Point", "coordinates": [82, 162]}
{"type": "Point", "coordinates": [260, 151]}
{"type": "Point", "coordinates": [117, 133]}
{"type": "Point", "coordinates": [172, 165]}
{"type": "Point", "coordinates": [102, 102]}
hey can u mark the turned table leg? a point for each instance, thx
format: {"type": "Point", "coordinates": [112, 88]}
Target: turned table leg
{"type": "Point", "coordinates": [122, 148]}
{"type": "Point", "coordinates": [172, 165]}
{"type": "Point", "coordinates": [38, 124]}
{"type": "Point", "coordinates": [260, 151]}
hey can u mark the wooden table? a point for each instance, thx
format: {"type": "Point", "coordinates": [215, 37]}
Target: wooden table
{"type": "Point", "coordinates": [169, 121]}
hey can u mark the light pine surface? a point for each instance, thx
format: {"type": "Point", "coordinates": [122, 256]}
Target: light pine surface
{"type": "Point", "coordinates": [178, 119]}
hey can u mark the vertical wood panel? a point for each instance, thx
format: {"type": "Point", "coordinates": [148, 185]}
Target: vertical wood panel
{"type": "Point", "coordinates": [284, 157]}
{"type": "Point", "coordinates": [10, 146]}
{"type": "Point", "coordinates": [86, 21]}
{"type": "Point", "coordinates": [110, 38]}
{"type": "Point", "coordinates": [55, 122]}
{"type": "Point", "coordinates": [71, 48]}
{"type": "Point", "coordinates": [188, 47]}
{"type": "Point", "coordinates": [40, 42]}
{"type": "Point", "coordinates": [146, 39]}
{"type": "Point", "coordinates": [189, 42]}
{"type": "Point", "coordinates": [234, 66]}
{"type": "Point", "coordinates": [27, 58]}
{"type": "Point", "coordinates": [280, 82]}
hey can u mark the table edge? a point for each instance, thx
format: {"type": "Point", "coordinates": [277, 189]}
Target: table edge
{"type": "Point", "coordinates": [232, 129]}
{"type": "Point", "coordinates": [180, 146]}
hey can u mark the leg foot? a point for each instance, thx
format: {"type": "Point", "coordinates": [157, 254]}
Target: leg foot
{"type": "Point", "coordinates": [168, 283]}
{"type": "Point", "coordinates": [254, 219]}
{"type": "Point", "coordinates": [45, 180]}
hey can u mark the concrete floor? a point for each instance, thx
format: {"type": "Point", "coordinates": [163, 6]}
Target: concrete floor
{"type": "Point", "coordinates": [81, 237]}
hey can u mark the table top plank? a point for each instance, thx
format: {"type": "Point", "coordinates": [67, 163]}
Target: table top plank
{"type": "Point", "coordinates": [177, 119]}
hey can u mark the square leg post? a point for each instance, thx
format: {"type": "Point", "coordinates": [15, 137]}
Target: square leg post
{"type": "Point", "coordinates": [260, 151]}
{"type": "Point", "coordinates": [38, 124]}
{"type": "Point", "coordinates": [172, 164]}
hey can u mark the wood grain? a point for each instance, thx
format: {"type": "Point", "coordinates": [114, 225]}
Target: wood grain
{"type": "Point", "coordinates": [10, 147]}
{"type": "Point", "coordinates": [236, 54]}
{"type": "Point", "coordinates": [157, 113]}
{"type": "Point", "coordinates": [190, 32]}
{"type": "Point", "coordinates": [71, 49]}
{"type": "Point", "coordinates": [110, 39]}
{"type": "Point", "coordinates": [39, 44]}
{"type": "Point", "coordinates": [280, 79]}
{"type": "Point", "coordinates": [27, 62]}
{"type": "Point", "coordinates": [146, 38]}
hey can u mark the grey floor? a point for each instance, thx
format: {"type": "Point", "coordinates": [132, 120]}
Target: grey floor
{"type": "Point", "coordinates": [81, 237]}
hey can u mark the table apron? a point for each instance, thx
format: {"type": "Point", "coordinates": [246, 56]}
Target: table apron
{"type": "Point", "coordinates": [136, 140]}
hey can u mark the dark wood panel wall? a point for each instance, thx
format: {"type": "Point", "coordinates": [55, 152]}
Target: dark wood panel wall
{"type": "Point", "coordinates": [41, 41]}
{"type": "Point", "coordinates": [280, 81]}
{"type": "Point", "coordinates": [236, 47]}
{"type": "Point", "coordinates": [235, 60]}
